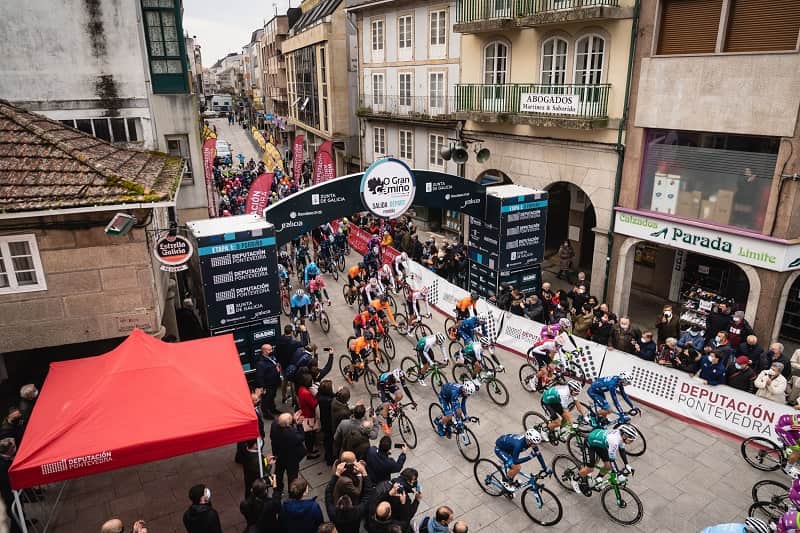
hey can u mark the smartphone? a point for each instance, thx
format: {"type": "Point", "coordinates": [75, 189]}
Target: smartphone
{"type": "Point", "coordinates": [398, 446]}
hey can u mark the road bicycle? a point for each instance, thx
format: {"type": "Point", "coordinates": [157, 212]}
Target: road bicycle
{"type": "Point", "coordinates": [764, 454]}
{"type": "Point", "coordinates": [770, 500]}
{"type": "Point", "coordinates": [569, 362]}
{"type": "Point", "coordinates": [529, 379]}
{"type": "Point", "coordinates": [286, 298]}
{"type": "Point", "coordinates": [417, 327]}
{"type": "Point", "coordinates": [457, 346]}
{"type": "Point", "coordinates": [466, 440]}
{"type": "Point", "coordinates": [539, 503]}
{"type": "Point", "coordinates": [497, 391]}
{"type": "Point", "coordinates": [349, 295]}
{"type": "Point", "coordinates": [412, 368]}
{"type": "Point", "coordinates": [619, 502]}
{"type": "Point", "coordinates": [381, 339]}
{"type": "Point", "coordinates": [319, 314]}
{"type": "Point", "coordinates": [392, 303]}
{"type": "Point", "coordinates": [353, 372]}
{"type": "Point", "coordinates": [394, 414]}
{"type": "Point", "coordinates": [338, 258]}
{"type": "Point", "coordinates": [327, 266]}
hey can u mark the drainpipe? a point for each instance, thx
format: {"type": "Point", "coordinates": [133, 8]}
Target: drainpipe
{"type": "Point", "coordinates": [619, 147]}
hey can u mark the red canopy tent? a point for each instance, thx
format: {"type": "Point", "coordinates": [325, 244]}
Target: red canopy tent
{"type": "Point", "coordinates": [144, 401]}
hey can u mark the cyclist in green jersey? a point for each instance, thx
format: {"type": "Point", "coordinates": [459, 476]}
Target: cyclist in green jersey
{"type": "Point", "coordinates": [424, 351]}
{"type": "Point", "coordinates": [604, 444]}
{"type": "Point", "coordinates": [556, 401]}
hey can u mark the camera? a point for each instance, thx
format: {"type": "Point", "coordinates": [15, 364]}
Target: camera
{"type": "Point", "coordinates": [398, 446]}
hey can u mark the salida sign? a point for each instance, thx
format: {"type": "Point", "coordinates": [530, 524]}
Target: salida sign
{"type": "Point", "coordinates": [388, 188]}
{"type": "Point", "coordinates": [555, 104]}
{"type": "Point", "coordinates": [173, 252]}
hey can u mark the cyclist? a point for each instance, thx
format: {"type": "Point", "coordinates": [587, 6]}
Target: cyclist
{"type": "Point", "coordinates": [425, 355]}
{"type": "Point", "coordinates": [611, 384]}
{"type": "Point", "coordinates": [344, 225]}
{"type": "Point", "coordinates": [285, 260]}
{"type": "Point", "coordinates": [788, 430]}
{"type": "Point", "coordinates": [389, 384]}
{"type": "Point", "coordinates": [360, 348]}
{"type": "Point", "coordinates": [413, 300]}
{"type": "Point", "coordinates": [371, 291]}
{"type": "Point", "coordinates": [467, 332]}
{"type": "Point", "coordinates": [545, 351]}
{"type": "Point", "coordinates": [316, 287]}
{"type": "Point", "coordinates": [283, 275]}
{"type": "Point", "coordinates": [310, 272]}
{"type": "Point", "coordinates": [355, 277]}
{"type": "Point", "coordinates": [300, 303]}
{"type": "Point", "coordinates": [303, 256]}
{"type": "Point", "coordinates": [473, 354]}
{"type": "Point", "coordinates": [604, 444]}
{"type": "Point", "coordinates": [453, 398]}
{"type": "Point", "coordinates": [401, 265]}
{"type": "Point", "coordinates": [387, 278]}
{"type": "Point", "coordinates": [464, 304]}
{"type": "Point", "coordinates": [556, 401]}
{"type": "Point", "coordinates": [324, 254]}
{"type": "Point", "coordinates": [508, 448]}
{"type": "Point", "coordinates": [384, 309]}
{"type": "Point", "coordinates": [367, 320]}
{"type": "Point", "coordinates": [340, 241]}
{"type": "Point", "coordinates": [372, 260]}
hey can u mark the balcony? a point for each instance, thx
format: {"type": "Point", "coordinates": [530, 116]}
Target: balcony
{"type": "Point", "coordinates": [476, 16]}
{"type": "Point", "coordinates": [419, 109]}
{"type": "Point", "coordinates": [555, 106]}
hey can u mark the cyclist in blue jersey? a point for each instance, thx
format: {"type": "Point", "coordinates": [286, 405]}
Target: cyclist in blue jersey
{"type": "Point", "coordinates": [389, 385]}
{"type": "Point", "coordinates": [453, 398]}
{"type": "Point", "coordinates": [300, 304]}
{"type": "Point", "coordinates": [508, 449]}
{"type": "Point", "coordinates": [466, 330]}
{"type": "Point", "coordinates": [311, 271]}
{"type": "Point", "coordinates": [604, 444]}
{"type": "Point", "coordinates": [283, 275]}
{"type": "Point", "coordinates": [611, 384]}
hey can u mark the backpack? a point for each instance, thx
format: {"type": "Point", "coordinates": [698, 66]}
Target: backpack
{"type": "Point", "coordinates": [292, 368]}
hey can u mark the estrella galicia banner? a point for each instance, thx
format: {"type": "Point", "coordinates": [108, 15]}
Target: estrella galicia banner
{"type": "Point", "coordinates": [388, 188]}
{"type": "Point", "coordinates": [239, 272]}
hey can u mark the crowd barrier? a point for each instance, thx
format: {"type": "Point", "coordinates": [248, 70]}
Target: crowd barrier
{"type": "Point", "coordinates": [677, 393]}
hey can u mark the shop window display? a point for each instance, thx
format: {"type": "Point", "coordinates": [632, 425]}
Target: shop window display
{"type": "Point", "coordinates": [718, 178]}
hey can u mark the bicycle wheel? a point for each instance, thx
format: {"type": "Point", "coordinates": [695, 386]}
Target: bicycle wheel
{"type": "Point", "coordinates": [340, 263]}
{"type": "Point", "coordinates": [497, 391]}
{"type": "Point", "coordinates": [542, 506]}
{"type": "Point", "coordinates": [450, 327]}
{"type": "Point", "coordinates": [324, 322]}
{"type": "Point", "coordinates": [407, 431]}
{"type": "Point", "coordinates": [388, 346]}
{"type": "Point", "coordinates": [344, 365]}
{"type": "Point", "coordinates": [768, 490]}
{"type": "Point", "coordinates": [286, 306]}
{"type": "Point", "coordinates": [637, 447]}
{"type": "Point", "coordinates": [564, 468]}
{"type": "Point", "coordinates": [489, 477]}
{"type": "Point", "coordinates": [422, 330]}
{"type": "Point", "coordinates": [333, 272]}
{"type": "Point", "coordinates": [437, 380]}
{"type": "Point", "coordinates": [766, 511]}
{"type": "Point", "coordinates": [468, 445]}
{"type": "Point", "coordinates": [392, 303]}
{"type": "Point", "coordinates": [409, 367]}
{"type": "Point", "coordinates": [575, 371]}
{"type": "Point", "coordinates": [346, 294]}
{"type": "Point", "coordinates": [454, 348]}
{"type": "Point", "coordinates": [527, 377]}
{"type": "Point", "coordinates": [402, 323]}
{"type": "Point", "coordinates": [382, 361]}
{"type": "Point", "coordinates": [434, 413]}
{"type": "Point", "coordinates": [762, 454]}
{"type": "Point", "coordinates": [534, 420]}
{"type": "Point", "coordinates": [574, 447]}
{"type": "Point", "coordinates": [461, 373]}
{"type": "Point", "coordinates": [371, 381]}
{"type": "Point", "coordinates": [627, 509]}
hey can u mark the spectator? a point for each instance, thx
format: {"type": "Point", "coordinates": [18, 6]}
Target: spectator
{"type": "Point", "coordinates": [460, 527]}
{"type": "Point", "coordinates": [340, 410]}
{"type": "Point", "coordinates": [739, 375]}
{"type": "Point", "coordinates": [380, 466]}
{"type": "Point", "coordinates": [503, 298]}
{"type": "Point", "coordinates": [357, 441]}
{"type": "Point", "coordinates": [738, 330]}
{"type": "Point", "coordinates": [645, 346]}
{"type": "Point", "coordinates": [582, 321]}
{"type": "Point", "coordinates": [712, 371]}
{"type": "Point", "coordinates": [251, 458]}
{"type": "Point", "coordinates": [667, 324]}
{"type": "Point", "coordinates": [308, 409]}
{"type": "Point", "coordinates": [299, 515]}
{"type": "Point", "coordinates": [27, 399]}
{"type": "Point", "coordinates": [285, 347]}
{"type": "Point", "coordinates": [260, 510]}
{"type": "Point", "coordinates": [693, 337]}
{"type": "Point", "coordinates": [771, 384]}
{"type": "Point", "coordinates": [437, 523]}
{"type": "Point", "coordinates": [8, 449]}
{"type": "Point", "coordinates": [347, 426]}
{"type": "Point", "coordinates": [348, 517]}
{"type": "Point", "coordinates": [12, 425]}
{"type": "Point", "coordinates": [565, 255]}
{"type": "Point", "coordinates": [349, 475]}
{"type": "Point", "coordinates": [325, 398]}
{"type": "Point", "coordinates": [669, 352]}
{"type": "Point", "coordinates": [200, 517]}
{"type": "Point", "coordinates": [517, 307]}
{"type": "Point", "coordinates": [752, 350]}
{"type": "Point", "coordinates": [582, 281]}
{"type": "Point", "coordinates": [601, 330]}
{"type": "Point", "coordinates": [794, 380]}
{"type": "Point", "coordinates": [268, 378]}
{"type": "Point", "coordinates": [718, 320]}
{"type": "Point", "coordinates": [327, 527]}
{"type": "Point", "coordinates": [288, 446]}
{"type": "Point", "coordinates": [534, 309]}
{"type": "Point", "coordinates": [623, 336]}
{"type": "Point", "coordinates": [720, 344]}
{"type": "Point", "coordinates": [381, 521]}
{"type": "Point", "coordinates": [579, 296]}
{"type": "Point", "coordinates": [404, 497]}
{"type": "Point", "coordinates": [775, 354]}
{"type": "Point", "coordinates": [688, 359]}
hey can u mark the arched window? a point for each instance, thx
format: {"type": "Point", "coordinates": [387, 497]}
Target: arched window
{"type": "Point", "coordinates": [554, 61]}
{"type": "Point", "coordinates": [589, 59]}
{"type": "Point", "coordinates": [495, 63]}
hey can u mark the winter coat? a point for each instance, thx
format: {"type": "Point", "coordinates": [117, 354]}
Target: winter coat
{"type": "Point", "coordinates": [380, 466]}
{"type": "Point", "coordinates": [565, 255]}
{"type": "Point", "coordinates": [581, 324]}
{"type": "Point", "coordinates": [754, 353]}
{"type": "Point", "coordinates": [325, 418]}
{"type": "Point", "coordinates": [738, 333]}
{"type": "Point", "coordinates": [647, 350]}
{"type": "Point", "coordinates": [698, 340]}
{"type": "Point", "coordinates": [715, 323]}
{"type": "Point", "coordinates": [301, 516]}
{"type": "Point", "coordinates": [623, 339]}
{"type": "Point", "coordinates": [601, 332]}
{"type": "Point", "coordinates": [741, 379]}
{"type": "Point", "coordinates": [670, 328]}
{"type": "Point", "coordinates": [268, 372]}
{"type": "Point", "coordinates": [201, 518]}
{"type": "Point", "coordinates": [339, 411]}
{"type": "Point", "coordinates": [713, 374]}
{"type": "Point", "coordinates": [774, 390]}
{"type": "Point", "coordinates": [262, 512]}
{"type": "Point", "coordinates": [288, 443]}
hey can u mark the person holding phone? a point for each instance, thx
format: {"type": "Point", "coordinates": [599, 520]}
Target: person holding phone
{"type": "Point", "coordinates": [380, 464]}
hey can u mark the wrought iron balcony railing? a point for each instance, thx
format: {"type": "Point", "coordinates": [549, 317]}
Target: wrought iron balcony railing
{"type": "Point", "coordinates": [477, 10]}
{"type": "Point", "coordinates": [565, 101]}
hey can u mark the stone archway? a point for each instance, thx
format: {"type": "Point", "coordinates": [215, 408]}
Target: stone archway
{"type": "Point", "coordinates": [493, 176]}
{"type": "Point", "coordinates": [571, 216]}
{"type": "Point", "coordinates": [782, 302]}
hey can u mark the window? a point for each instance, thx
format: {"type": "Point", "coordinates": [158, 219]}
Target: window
{"type": "Point", "coordinates": [377, 35]}
{"type": "Point", "coordinates": [324, 82]}
{"type": "Point", "coordinates": [115, 130]}
{"type": "Point", "coordinates": [404, 86]}
{"type": "Point", "coordinates": [407, 145]}
{"type": "Point", "coordinates": [435, 145]}
{"type": "Point", "coordinates": [405, 32]}
{"type": "Point", "coordinates": [305, 88]}
{"type": "Point", "coordinates": [20, 265]}
{"type": "Point", "coordinates": [554, 61]}
{"type": "Point", "coordinates": [378, 89]}
{"type": "Point", "coordinates": [720, 178]}
{"type": "Point", "coordinates": [379, 141]}
{"type": "Point", "coordinates": [762, 25]}
{"type": "Point", "coordinates": [436, 91]}
{"type": "Point", "coordinates": [178, 145]}
{"type": "Point", "coordinates": [689, 26]}
{"type": "Point", "coordinates": [589, 60]}
{"type": "Point", "coordinates": [495, 63]}
{"type": "Point", "coordinates": [438, 27]}
{"type": "Point", "coordinates": [162, 24]}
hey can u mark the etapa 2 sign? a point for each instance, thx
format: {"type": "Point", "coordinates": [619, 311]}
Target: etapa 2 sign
{"type": "Point", "coordinates": [763, 253]}
{"type": "Point", "coordinates": [552, 104]}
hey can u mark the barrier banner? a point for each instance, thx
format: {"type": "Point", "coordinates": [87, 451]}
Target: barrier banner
{"type": "Point", "coordinates": [324, 165]}
{"type": "Point", "coordinates": [297, 157]}
{"type": "Point", "coordinates": [359, 239]}
{"type": "Point", "coordinates": [209, 152]}
{"type": "Point", "coordinates": [258, 196]}
{"type": "Point", "coordinates": [721, 407]}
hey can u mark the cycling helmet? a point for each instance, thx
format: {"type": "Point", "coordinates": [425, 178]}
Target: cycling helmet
{"type": "Point", "coordinates": [284, 253]}
{"type": "Point", "coordinates": [485, 341]}
{"type": "Point", "coordinates": [628, 431]}
{"type": "Point", "coordinates": [373, 282]}
{"type": "Point", "coordinates": [468, 388]}
{"type": "Point", "coordinates": [474, 296]}
{"type": "Point", "coordinates": [404, 256]}
{"type": "Point", "coordinates": [344, 220]}
{"type": "Point", "coordinates": [384, 298]}
{"type": "Point", "coordinates": [372, 310]}
{"type": "Point", "coordinates": [361, 266]}
{"type": "Point", "coordinates": [625, 376]}
{"type": "Point", "coordinates": [368, 335]}
{"type": "Point", "coordinates": [756, 525]}
{"type": "Point", "coordinates": [300, 292]}
{"type": "Point", "coordinates": [574, 386]}
{"type": "Point", "coordinates": [565, 324]}
{"type": "Point", "coordinates": [532, 436]}
{"type": "Point", "coordinates": [481, 321]}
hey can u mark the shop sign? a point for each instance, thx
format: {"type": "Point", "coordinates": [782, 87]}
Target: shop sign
{"type": "Point", "coordinates": [388, 188]}
{"type": "Point", "coordinates": [737, 248]}
{"type": "Point", "coordinates": [173, 252]}
{"type": "Point", "coordinates": [551, 104]}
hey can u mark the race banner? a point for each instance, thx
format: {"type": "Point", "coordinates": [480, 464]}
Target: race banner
{"type": "Point", "coordinates": [258, 196]}
{"type": "Point", "coordinates": [324, 165]}
{"type": "Point", "coordinates": [297, 157]}
{"type": "Point", "coordinates": [209, 152]}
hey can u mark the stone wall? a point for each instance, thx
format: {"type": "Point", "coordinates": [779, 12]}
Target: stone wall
{"type": "Point", "coordinates": [98, 287]}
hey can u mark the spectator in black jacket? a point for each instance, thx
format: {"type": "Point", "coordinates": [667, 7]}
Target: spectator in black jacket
{"type": "Point", "coordinates": [285, 347]}
{"type": "Point", "coordinates": [380, 466]}
{"type": "Point", "coordinates": [325, 399]}
{"type": "Point", "coordinates": [260, 510]}
{"type": "Point", "coordinates": [268, 378]}
{"type": "Point", "coordinates": [534, 309]}
{"type": "Point", "coordinates": [601, 330]}
{"type": "Point", "coordinates": [381, 521]}
{"type": "Point", "coordinates": [752, 350]}
{"type": "Point", "coordinates": [404, 497]}
{"type": "Point", "coordinates": [718, 320]}
{"type": "Point", "coordinates": [8, 448]}
{"type": "Point", "coordinates": [200, 517]}
{"type": "Point", "coordinates": [739, 375]}
{"type": "Point", "coordinates": [288, 446]}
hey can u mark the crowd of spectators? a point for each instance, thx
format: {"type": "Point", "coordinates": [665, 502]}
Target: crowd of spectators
{"type": "Point", "coordinates": [233, 183]}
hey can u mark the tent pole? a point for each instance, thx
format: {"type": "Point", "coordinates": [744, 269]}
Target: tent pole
{"type": "Point", "coordinates": [260, 458]}
{"type": "Point", "coordinates": [17, 513]}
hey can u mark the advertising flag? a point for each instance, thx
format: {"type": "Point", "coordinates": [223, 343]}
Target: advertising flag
{"type": "Point", "coordinates": [324, 165]}
{"type": "Point", "coordinates": [258, 196]}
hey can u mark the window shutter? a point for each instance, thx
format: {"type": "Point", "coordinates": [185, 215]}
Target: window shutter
{"type": "Point", "coordinates": [762, 25]}
{"type": "Point", "coordinates": [689, 26]}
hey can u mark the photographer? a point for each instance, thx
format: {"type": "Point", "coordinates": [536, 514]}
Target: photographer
{"type": "Point", "coordinates": [380, 466]}
{"type": "Point", "coordinates": [667, 324]}
{"type": "Point", "coordinates": [771, 384]}
{"type": "Point", "coordinates": [404, 496]}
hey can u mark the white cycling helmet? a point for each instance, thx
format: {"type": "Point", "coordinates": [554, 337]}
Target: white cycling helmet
{"type": "Point", "coordinates": [627, 430]}
{"type": "Point", "coordinates": [440, 338]}
{"type": "Point", "coordinates": [373, 282]}
{"type": "Point", "coordinates": [300, 292]}
{"type": "Point", "coordinates": [575, 387]}
{"type": "Point", "coordinates": [625, 376]}
{"type": "Point", "coordinates": [398, 374]}
{"type": "Point", "coordinates": [565, 323]}
{"type": "Point", "coordinates": [485, 341]}
{"type": "Point", "coordinates": [404, 256]}
{"type": "Point", "coordinates": [468, 388]}
{"type": "Point", "coordinates": [532, 436]}
{"type": "Point", "coordinates": [756, 525]}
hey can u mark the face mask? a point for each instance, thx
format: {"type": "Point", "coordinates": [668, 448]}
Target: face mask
{"type": "Point", "coordinates": [717, 339]}
{"type": "Point", "coordinates": [668, 314]}
{"type": "Point", "coordinates": [738, 366]}
{"type": "Point", "coordinates": [36, 393]}
{"type": "Point", "coordinates": [207, 494]}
